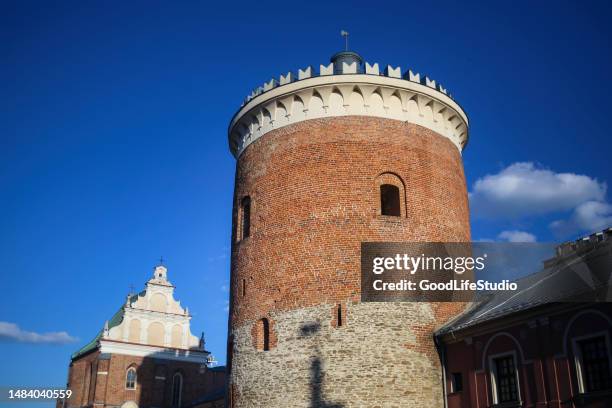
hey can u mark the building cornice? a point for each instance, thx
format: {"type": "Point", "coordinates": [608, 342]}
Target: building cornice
{"type": "Point", "coordinates": [388, 95]}
{"type": "Point", "coordinates": [144, 350]}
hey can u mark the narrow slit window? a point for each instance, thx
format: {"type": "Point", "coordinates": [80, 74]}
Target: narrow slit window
{"type": "Point", "coordinates": [263, 342]}
{"type": "Point", "coordinates": [245, 227]}
{"type": "Point", "coordinates": [339, 315]}
{"type": "Point", "coordinates": [243, 287]}
{"type": "Point", "coordinates": [390, 200]}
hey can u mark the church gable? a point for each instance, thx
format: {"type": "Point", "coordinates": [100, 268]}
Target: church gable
{"type": "Point", "coordinates": [152, 317]}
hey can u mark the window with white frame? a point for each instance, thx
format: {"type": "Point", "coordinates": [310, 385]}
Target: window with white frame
{"type": "Point", "coordinates": [507, 387]}
{"type": "Point", "coordinates": [595, 364]}
{"type": "Point", "coordinates": [504, 378]}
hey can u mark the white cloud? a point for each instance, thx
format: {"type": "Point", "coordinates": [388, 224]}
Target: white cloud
{"type": "Point", "coordinates": [589, 216]}
{"type": "Point", "coordinates": [516, 236]}
{"type": "Point", "coordinates": [12, 332]}
{"type": "Point", "coordinates": [525, 189]}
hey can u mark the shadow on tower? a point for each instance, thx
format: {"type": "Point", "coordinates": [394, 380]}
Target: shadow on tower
{"type": "Point", "coordinates": [317, 376]}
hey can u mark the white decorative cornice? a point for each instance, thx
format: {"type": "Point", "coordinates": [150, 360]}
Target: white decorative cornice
{"type": "Point", "coordinates": [142, 350]}
{"type": "Point", "coordinates": [408, 98]}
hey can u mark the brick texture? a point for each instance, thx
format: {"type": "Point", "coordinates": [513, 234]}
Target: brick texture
{"type": "Point", "coordinates": [314, 189]}
{"type": "Point", "coordinates": [101, 382]}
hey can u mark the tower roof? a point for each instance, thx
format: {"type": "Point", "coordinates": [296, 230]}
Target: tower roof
{"type": "Point", "coordinates": [347, 57]}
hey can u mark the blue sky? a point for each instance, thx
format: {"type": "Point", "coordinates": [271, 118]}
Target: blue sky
{"type": "Point", "coordinates": [113, 123]}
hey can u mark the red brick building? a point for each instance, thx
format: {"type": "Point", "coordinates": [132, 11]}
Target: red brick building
{"type": "Point", "coordinates": [145, 356]}
{"type": "Point", "coordinates": [540, 348]}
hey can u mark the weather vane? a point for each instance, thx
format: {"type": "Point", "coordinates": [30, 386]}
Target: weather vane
{"type": "Point", "coordinates": [345, 34]}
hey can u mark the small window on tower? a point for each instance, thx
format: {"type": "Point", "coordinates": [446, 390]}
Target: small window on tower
{"type": "Point", "coordinates": [245, 218]}
{"type": "Point", "coordinates": [262, 340]}
{"type": "Point", "coordinates": [390, 200]}
{"type": "Point", "coordinates": [339, 315]}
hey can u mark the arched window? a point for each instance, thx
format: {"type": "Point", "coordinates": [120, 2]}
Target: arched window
{"type": "Point", "coordinates": [391, 195]}
{"type": "Point", "coordinates": [130, 379]}
{"type": "Point", "coordinates": [245, 215]}
{"type": "Point", "coordinates": [390, 200]}
{"type": "Point", "coordinates": [177, 389]}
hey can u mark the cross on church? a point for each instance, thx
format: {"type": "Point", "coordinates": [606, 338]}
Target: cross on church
{"type": "Point", "coordinates": [161, 260]}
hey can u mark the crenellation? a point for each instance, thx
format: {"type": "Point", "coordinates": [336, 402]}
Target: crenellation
{"type": "Point", "coordinates": [372, 69]}
{"type": "Point", "coordinates": [272, 83]}
{"type": "Point", "coordinates": [326, 69]}
{"type": "Point", "coordinates": [430, 82]}
{"type": "Point", "coordinates": [286, 79]}
{"type": "Point", "coordinates": [346, 69]}
{"type": "Point", "coordinates": [305, 73]}
{"type": "Point", "coordinates": [345, 87]}
{"type": "Point", "coordinates": [411, 76]}
{"type": "Point", "coordinates": [393, 72]}
{"type": "Point", "coordinates": [349, 68]}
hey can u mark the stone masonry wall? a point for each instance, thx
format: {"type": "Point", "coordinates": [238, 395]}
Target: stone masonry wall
{"type": "Point", "coordinates": [373, 360]}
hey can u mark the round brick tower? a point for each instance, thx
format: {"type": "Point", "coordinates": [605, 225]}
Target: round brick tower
{"type": "Point", "coordinates": [326, 162]}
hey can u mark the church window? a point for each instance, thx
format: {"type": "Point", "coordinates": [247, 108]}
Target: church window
{"type": "Point", "coordinates": [130, 379]}
{"type": "Point", "coordinates": [177, 389]}
{"type": "Point", "coordinates": [339, 315]}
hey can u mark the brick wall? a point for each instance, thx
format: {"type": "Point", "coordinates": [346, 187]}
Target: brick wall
{"type": "Point", "coordinates": [314, 189]}
{"type": "Point", "coordinates": [154, 381]}
{"type": "Point", "coordinates": [542, 343]}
